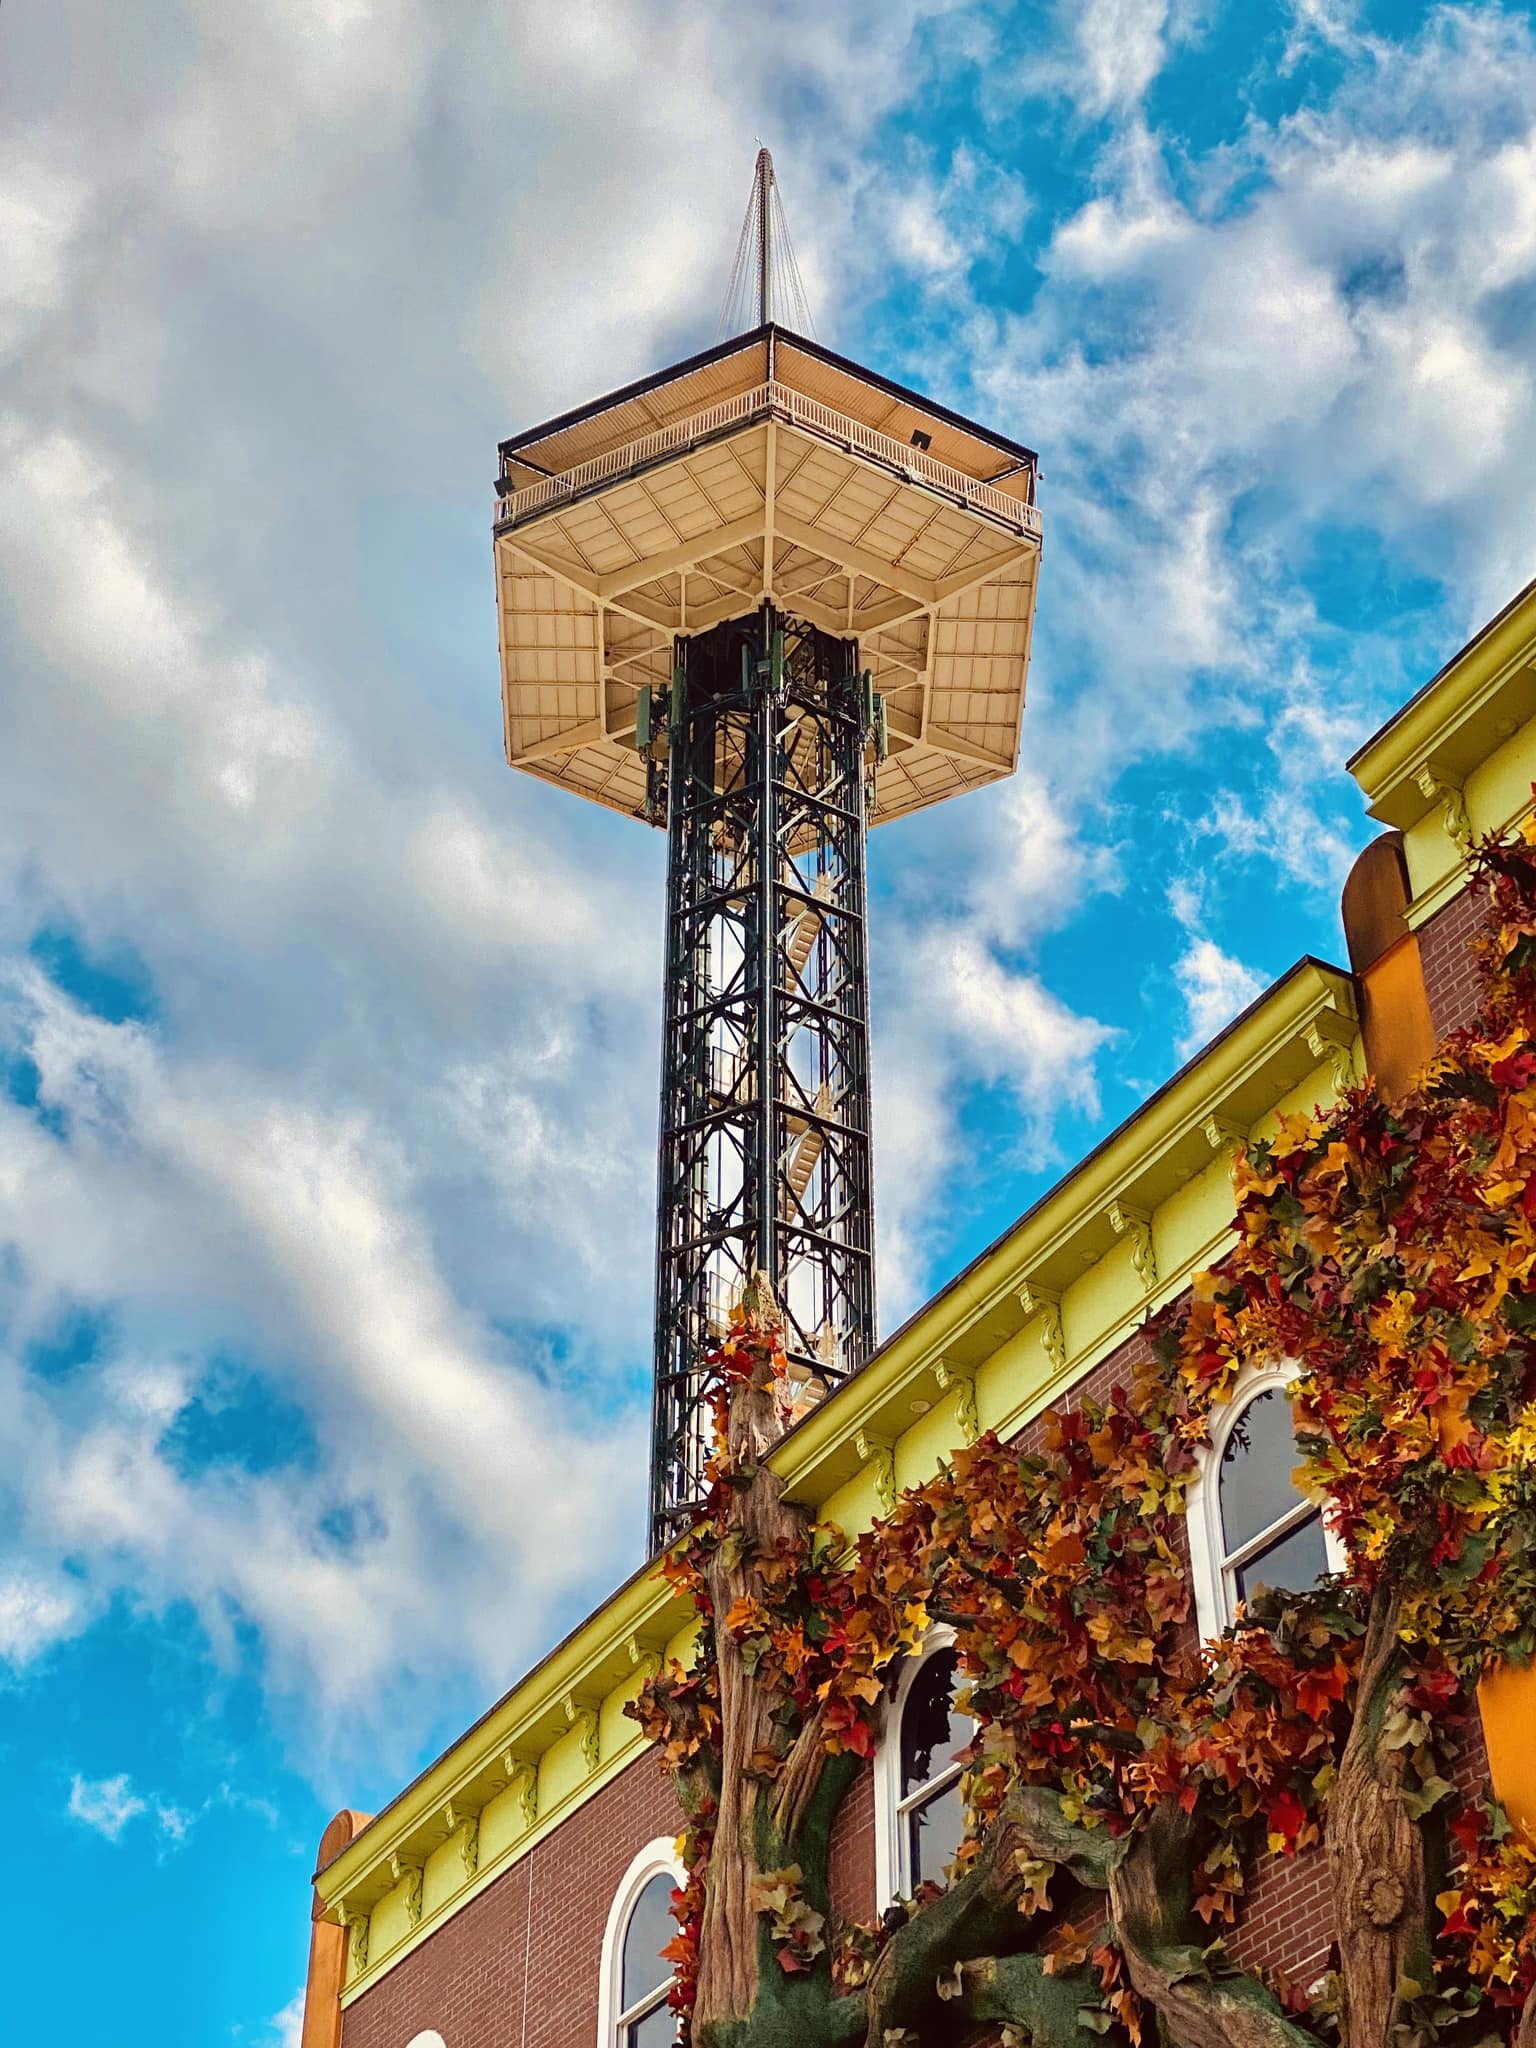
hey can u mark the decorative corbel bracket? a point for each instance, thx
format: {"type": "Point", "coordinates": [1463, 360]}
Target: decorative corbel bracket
{"type": "Point", "coordinates": [881, 1459]}
{"type": "Point", "coordinates": [581, 1713]}
{"type": "Point", "coordinates": [645, 1662]}
{"type": "Point", "coordinates": [356, 1925]}
{"type": "Point", "coordinates": [1445, 791]}
{"type": "Point", "coordinates": [1337, 1058]}
{"type": "Point", "coordinates": [467, 1827]}
{"type": "Point", "coordinates": [412, 1874]}
{"type": "Point", "coordinates": [1223, 1134]}
{"type": "Point", "coordinates": [1135, 1225]}
{"type": "Point", "coordinates": [1045, 1302]}
{"type": "Point", "coordinates": [947, 1376]}
{"type": "Point", "coordinates": [522, 1778]}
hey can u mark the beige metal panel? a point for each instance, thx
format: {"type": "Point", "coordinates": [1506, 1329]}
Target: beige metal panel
{"type": "Point", "coordinates": [938, 592]}
{"type": "Point", "coordinates": [674, 399]}
{"type": "Point", "coordinates": [887, 415]}
{"type": "Point", "coordinates": [606, 775]}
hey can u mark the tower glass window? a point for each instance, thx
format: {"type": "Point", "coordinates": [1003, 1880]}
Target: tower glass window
{"type": "Point", "coordinates": [1270, 1534]}
{"type": "Point", "coordinates": [930, 1817]}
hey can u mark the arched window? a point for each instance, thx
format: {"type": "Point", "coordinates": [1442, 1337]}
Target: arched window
{"type": "Point", "coordinates": [1249, 1527]}
{"type": "Point", "coordinates": [919, 1816]}
{"type": "Point", "coordinates": [634, 1982]}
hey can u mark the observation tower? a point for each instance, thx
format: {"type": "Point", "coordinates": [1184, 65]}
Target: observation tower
{"type": "Point", "coordinates": [763, 600]}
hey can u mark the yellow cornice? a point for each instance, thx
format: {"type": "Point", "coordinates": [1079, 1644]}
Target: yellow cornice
{"type": "Point", "coordinates": [1306, 1019]}
{"type": "Point", "coordinates": [526, 1722]}
{"type": "Point", "coordinates": [1482, 696]}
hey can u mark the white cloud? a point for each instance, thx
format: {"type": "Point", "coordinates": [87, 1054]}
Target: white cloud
{"type": "Point", "coordinates": [286, 2028]}
{"type": "Point", "coordinates": [109, 1804]}
{"type": "Point", "coordinates": [306, 1221]}
{"type": "Point", "coordinates": [37, 1611]}
{"type": "Point", "coordinates": [1215, 988]}
{"type": "Point", "coordinates": [105, 1804]}
{"type": "Point", "coordinates": [1121, 47]}
{"type": "Point", "coordinates": [1313, 332]}
{"type": "Point", "coordinates": [40, 209]}
{"type": "Point", "coordinates": [961, 1019]}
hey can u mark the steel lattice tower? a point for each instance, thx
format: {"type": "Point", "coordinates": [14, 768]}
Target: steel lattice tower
{"type": "Point", "coordinates": [764, 598]}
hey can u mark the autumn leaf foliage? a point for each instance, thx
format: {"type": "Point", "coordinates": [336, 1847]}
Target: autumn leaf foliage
{"type": "Point", "coordinates": [1387, 1253]}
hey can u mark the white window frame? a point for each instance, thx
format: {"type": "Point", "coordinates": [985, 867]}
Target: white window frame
{"type": "Point", "coordinates": [1212, 1567]}
{"type": "Point", "coordinates": [657, 1859]}
{"type": "Point", "coordinates": [893, 1877]}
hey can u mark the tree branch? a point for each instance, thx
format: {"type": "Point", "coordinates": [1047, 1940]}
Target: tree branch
{"type": "Point", "coordinates": [979, 1915]}
{"type": "Point", "coordinates": [999, 1990]}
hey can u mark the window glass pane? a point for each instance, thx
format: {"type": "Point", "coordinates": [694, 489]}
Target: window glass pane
{"type": "Point", "coordinates": [1290, 1564]}
{"type": "Point", "coordinates": [657, 2029]}
{"type": "Point", "coordinates": [650, 1928]}
{"type": "Point", "coordinates": [934, 1830]}
{"type": "Point", "coordinates": [931, 1731]}
{"type": "Point", "coordinates": [1256, 1468]}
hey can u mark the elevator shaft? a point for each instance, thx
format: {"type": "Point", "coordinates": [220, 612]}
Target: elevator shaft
{"type": "Point", "coordinates": [764, 1160]}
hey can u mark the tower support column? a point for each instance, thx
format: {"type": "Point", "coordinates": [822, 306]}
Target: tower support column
{"type": "Point", "coordinates": [764, 1160]}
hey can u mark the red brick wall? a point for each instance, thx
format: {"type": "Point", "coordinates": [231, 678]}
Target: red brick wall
{"type": "Point", "coordinates": [1285, 1920]}
{"type": "Point", "coordinates": [852, 1872]}
{"type": "Point", "coordinates": [518, 1966]}
{"type": "Point", "coordinates": [1450, 976]}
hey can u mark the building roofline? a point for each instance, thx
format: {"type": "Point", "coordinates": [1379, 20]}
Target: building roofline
{"type": "Point", "coordinates": [1283, 1033]}
{"type": "Point", "coordinates": [1106, 1145]}
{"type": "Point", "coordinates": [1456, 722]}
{"type": "Point", "coordinates": [1405, 711]}
{"type": "Point", "coordinates": [769, 330]}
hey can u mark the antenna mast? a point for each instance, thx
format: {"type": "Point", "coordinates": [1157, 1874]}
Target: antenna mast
{"type": "Point", "coordinates": [765, 282]}
{"type": "Point", "coordinates": [764, 237]}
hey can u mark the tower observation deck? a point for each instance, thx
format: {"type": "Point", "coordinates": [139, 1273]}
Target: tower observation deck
{"type": "Point", "coordinates": [763, 599]}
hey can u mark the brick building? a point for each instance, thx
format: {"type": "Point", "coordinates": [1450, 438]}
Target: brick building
{"type": "Point", "coordinates": [510, 1897]}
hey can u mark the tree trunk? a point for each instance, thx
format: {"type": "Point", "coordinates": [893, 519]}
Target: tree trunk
{"type": "Point", "coordinates": [1150, 1901]}
{"type": "Point", "coordinates": [1375, 1850]}
{"type": "Point", "coordinates": [728, 1948]}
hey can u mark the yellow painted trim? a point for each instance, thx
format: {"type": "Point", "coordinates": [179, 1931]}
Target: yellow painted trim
{"type": "Point", "coordinates": [1477, 701]}
{"type": "Point", "coordinates": [1038, 1395]}
{"type": "Point", "coordinates": [380, 1966]}
{"type": "Point", "coordinates": [1449, 885]}
{"type": "Point", "coordinates": [1230, 1086]}
{"type": "Point", "coordinates": [593, 1661]}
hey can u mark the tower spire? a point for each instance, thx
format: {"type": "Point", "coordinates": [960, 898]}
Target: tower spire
{"type": "Point", "coordinates": [765, 282]}
{"type": "Point", "coordinates": [764, 179]}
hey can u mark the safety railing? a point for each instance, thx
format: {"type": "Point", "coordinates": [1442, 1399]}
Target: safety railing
{"type": "Point", "coordinates": [760, 400]}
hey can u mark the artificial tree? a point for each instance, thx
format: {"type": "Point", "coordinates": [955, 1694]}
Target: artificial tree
{"type": "Point", "coordinates": [1124, 1775]}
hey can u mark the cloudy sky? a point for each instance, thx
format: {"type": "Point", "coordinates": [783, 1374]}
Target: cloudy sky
{"type": "Point", "coordinates": [328, 1046]}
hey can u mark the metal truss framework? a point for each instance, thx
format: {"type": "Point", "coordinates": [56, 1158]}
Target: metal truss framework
{"type": "Point", "coordinates": [765, 1117]}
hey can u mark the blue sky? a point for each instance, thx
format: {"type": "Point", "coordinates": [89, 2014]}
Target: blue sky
{"type": "Point", "coordinates": [328, 1047]}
